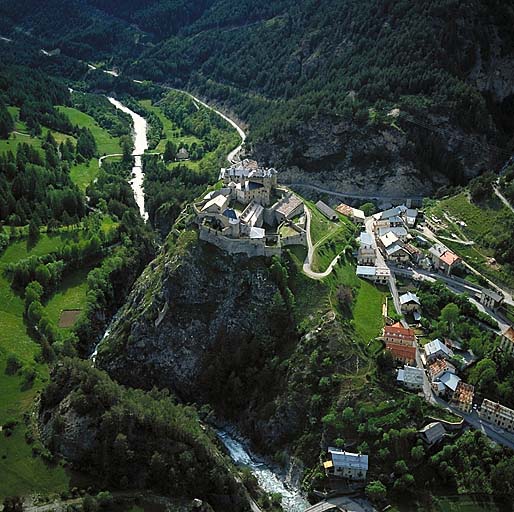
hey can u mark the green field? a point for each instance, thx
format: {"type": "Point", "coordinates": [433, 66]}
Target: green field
{"type": "Point", "coordinates": [367, 312]}
{"type": "Point", "coordinates": [105, 142]}
{"type": "Point", "coordinates": [485, 223]}
{"type": "Point", "coordinates": [71, 294]}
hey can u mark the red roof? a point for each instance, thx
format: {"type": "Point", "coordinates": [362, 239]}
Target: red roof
{"type": "Point", "coordinates": [398, 331]}
{"type": "Point", "coordinates": [402, 351]}
{"type": "Point", "coordinates": [449, 258]}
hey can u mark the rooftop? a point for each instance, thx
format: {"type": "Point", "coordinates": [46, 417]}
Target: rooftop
{"type": "Point", "coordinates": [509, 333]}
{"type": "Point", "coordinates": [388, 239]}
{"type": "Point", "coordinates": [398, 231]}
{"type": "Point", "coordinates": [398, 331]}
{"type": "Point", "coordinates": [439, 366]}
{"type": "Point", "coordinates": [409, 297]}
{"type": "Point", "coordinates": [433, 431]}
{"type": "Point", "coordinates": [464, 394]}
{"type": "Point", "coordinates": [325, 209]}
{"type": "Point", "coordinates": [497, 408]}
{"type": "Point", "coordinates": [449, 258]}
{"type": "Point", "coordinates": [450, 380]}
{"type": "Point", "coordinates": [435, 346]}
{"type": "Point", "coordinates": [348, 460]}
{"type": "Point", "coordinates": [402, 351]}
{"type": "Point", "coordinates": [365, 239]}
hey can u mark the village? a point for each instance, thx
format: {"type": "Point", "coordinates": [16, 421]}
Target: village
{"type": "Point", "coordinates": [251, 213]}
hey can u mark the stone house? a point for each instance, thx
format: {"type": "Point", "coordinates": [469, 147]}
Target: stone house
{"type": "Point", "coordinates": [497, 414]}
{"type": "Point", "coordinates": [411, 377]}
{"type": "Point", "coordinates": [328, 212]}
{"type": "Point", "coordinates": [366, 254]}
{"type": "Point", "coordinates": [398, 334]}
{"type": "Point", "coordinates": [491, 299]}
{"type": "Point", "coordinates": [443, 259]}
{"type": "Point", "coordinates": [404, 354]}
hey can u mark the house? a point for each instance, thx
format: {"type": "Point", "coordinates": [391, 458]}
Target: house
{"type": "Point", "coordinates": [444, 259]}
{"type": "Point", "coordinates": [327, 211]}
{"type": "Point", "coordinates": [391, 212]}
{"type": "Point", "coordinates": [397, 253]}
{"type": "Point", "coordinates": [398, 334]}
{"type": "Point", "coordinates": [411, 377]}
{"type": "Point", "coordinates": [507, 340]}
{"type": "Point", "coordinates": [399, 231]}
{"type": "Point", "coordinates": [354, 214]}
{"type": "Point", "coordinates": [432, 433]}
{"type": "Point", "coordinates": [497, 414]}
{"type": "Point", "coordinates": [182, 154]}
{"type": "Point", "coordinates": [353, 466]}
{"type": "Point", "coordinates": [463, 397]}
{"type": "Point", "coordinates": [410, 216]}
{"type": "Point", "coordinates": [450, 382]}
{"type": "Point", "coordinates": [217, 205]}
{"type": "Point", "coordinates": [437, 368]}
{"type": "Point", "coordinates": [437, 349]}
{"type": "Point", "coordinates": [402, 353]}
{"type": "Point", "coordinates": [490, 298]}
{"type": "Point", "coordinates": [378, 275]}
{"type": "Point", "coordinates": [410, 303]}
{"type": "Point", "coordinates": [388, 239]}
{"type": "Point", "coordinates": [414, 253]}
{"type": "Point", "coordinates": [366, 254]}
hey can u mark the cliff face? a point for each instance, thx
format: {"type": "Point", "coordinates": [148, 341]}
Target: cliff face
{"type": "Point", "coordinates": [385, 160]}
{"type": "Point", "coordinates": [179, 310]}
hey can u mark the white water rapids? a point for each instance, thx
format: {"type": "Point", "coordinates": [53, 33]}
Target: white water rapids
{"type": "Point", "coordinates": [140, 145]}
{"type": "Point", "coordinates": [292, 499]}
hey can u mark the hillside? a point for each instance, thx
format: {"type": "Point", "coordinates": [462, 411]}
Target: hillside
{"type": "Point", "coordinates": [316, 80]}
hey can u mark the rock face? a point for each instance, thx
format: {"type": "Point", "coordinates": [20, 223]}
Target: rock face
{"type": "Point", "coordinates": [381, 160]}
{"type": "Point", "coordinates": [78, 433]}
{"type": "Point", "coordinates": [180, 308]}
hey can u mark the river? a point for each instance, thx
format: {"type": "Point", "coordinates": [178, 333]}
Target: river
{"type": "Point", "coordinates": [140, 146]}
{"type": "Point", "coordinates": [292, 499]}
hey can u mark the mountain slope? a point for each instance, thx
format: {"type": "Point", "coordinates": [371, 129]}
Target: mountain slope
{"type": "Point", "coordinates": [304, 76]}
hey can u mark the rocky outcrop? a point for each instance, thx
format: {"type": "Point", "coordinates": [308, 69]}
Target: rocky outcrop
{"type": "Point", "coordinates": [181, 307]}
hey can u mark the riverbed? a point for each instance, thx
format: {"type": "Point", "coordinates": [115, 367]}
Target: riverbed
{"type": "Point", "coordinates": [140, 146]}
{"type": "Point", "coordinates": [292, 499]}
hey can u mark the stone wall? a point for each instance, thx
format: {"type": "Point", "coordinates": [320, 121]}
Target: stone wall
{"type": "Point", "coordinates": [250, 247]}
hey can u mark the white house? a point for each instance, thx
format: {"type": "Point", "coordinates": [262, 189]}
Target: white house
{"type": "Point", "coordinates": [353, 466]}
{"type": "Point", "coordinates": [411, 377]}
{"type": "Point", "coordinates": [410, 303]}
{"type": "Point", "coordinates": [366, 254]}
{"type": "Point", "coordinates": [436, 349]}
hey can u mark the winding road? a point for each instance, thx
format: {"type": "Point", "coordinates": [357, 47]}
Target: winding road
{"type": "Point", "coordinates": [307, 264]}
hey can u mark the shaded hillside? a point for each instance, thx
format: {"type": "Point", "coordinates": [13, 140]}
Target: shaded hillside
{"type": "Point", "coordinates": [305, 75]}
{"type": "Point", "coordinates": [130, 439]}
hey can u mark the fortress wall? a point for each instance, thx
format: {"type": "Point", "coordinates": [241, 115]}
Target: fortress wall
{"type": "Point", "coordinates": [247, 246]}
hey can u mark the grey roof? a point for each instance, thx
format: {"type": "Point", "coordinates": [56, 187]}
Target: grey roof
{"type": "Point", "coordinates": [450, 380]}
{"type": "Point", "coordinates": [394, 248]}
{"type": "Point", "coordinates": [435, 346]}
{"type": "Point", "coordinates": [365, 270]}
{"type": "Point", "coordinates": [392, 212]}
{"type": "Point", "coordinates": [325, 209]}
{"type": "Point", "coordinates": [493, 295]}
{"type": "Point", "coordinates": [433, 431]}
{"type": "Point", "coordinates": [398, 231]}
{"type": "Point", "coordinates": [348, 460]}
{"type": "Point", "coordinates": [409, 297]}
{"type": "Point", "coordinates": [365, 239]}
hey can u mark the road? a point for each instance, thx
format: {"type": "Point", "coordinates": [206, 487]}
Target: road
{"type": "Point", "coordinates": [307, 264]}
{"type": "Point", "coordinates": [231, 157]}
{"type": "Point", "coordinates": [502, 198]}
{"type": "Point", "coordinates": [341, 195]}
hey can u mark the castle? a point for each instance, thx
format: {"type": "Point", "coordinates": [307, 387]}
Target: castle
{"type": "Point", "coordinates": [250, 213]}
